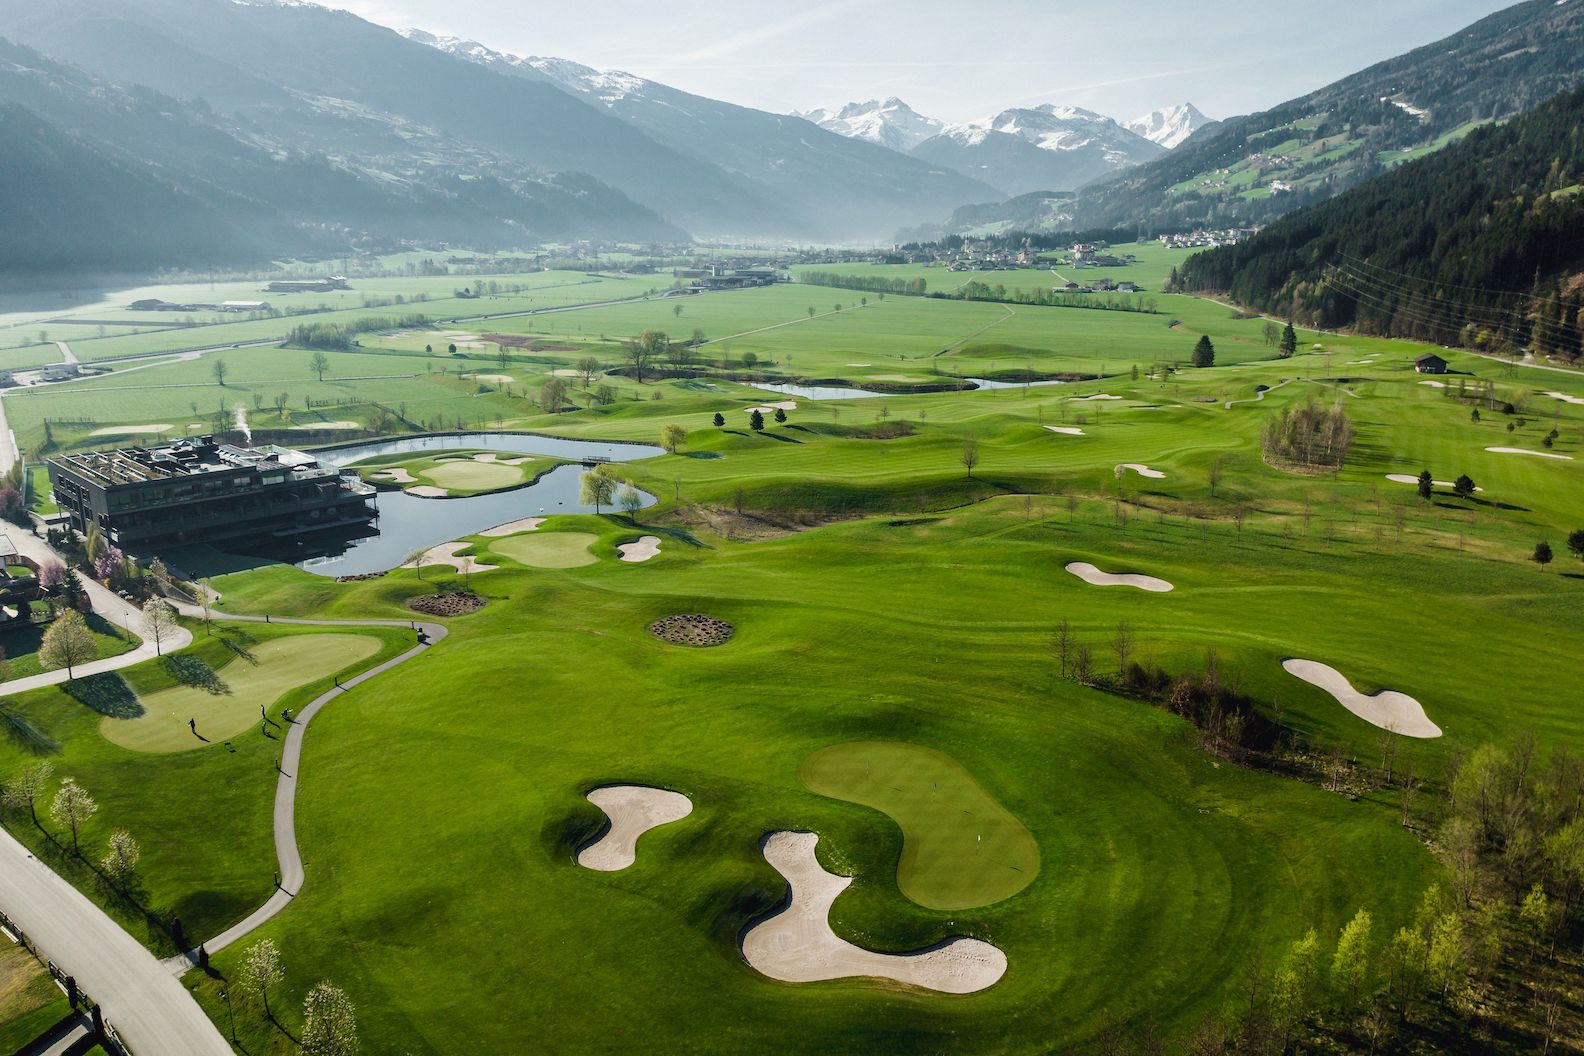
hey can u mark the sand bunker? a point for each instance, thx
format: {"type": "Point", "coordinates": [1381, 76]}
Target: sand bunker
{"type": "Point", "coordinates": [642, 550]}
{"type": "Point", "coordinates": [1409, 478]}
{"type": "Point", "coordinates": [527, 524]}
{"type": "Point", "coordinates": [633, 810]}
{"type": "Point", "coordinates": [1388, 709]}
{"type": "Point", "coordinates": [446, 554]}
{"type": "Point", "coordinates": [1092, 575]}
{"type": "Point", "coordinates": [1564, 397]}
{"type": "Point", "coordinates": [797, 945]}
{"type": "Point", "coordinates": [1143, 470]}
{"type": "Point", "coordinates": [1434, 384]}
{"type": "Point", "coordinates": [1066, 430]}
{"type": "Point", "coordinates": [1096, 396]}
{"type": "Point", "coordinates": [566, 372]}
{"type": "Point", "coordinates": [496, 379]}
{"type": "Point", "coordinates": [490, 456]}
{"type": "Point", "coordinates": [771, 408]}
{"type": "Point", "coordinates": [131, 430]}
{"type": "Point", "coordinates": [397, 476]}
{"type": "Point", "coordinates": [425, 491]}
{"type": "Point", "coordinates": [1526, 451]}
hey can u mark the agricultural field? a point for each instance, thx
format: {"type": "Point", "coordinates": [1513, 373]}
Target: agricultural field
{"type": "Point", "coordinates": [910, 576]}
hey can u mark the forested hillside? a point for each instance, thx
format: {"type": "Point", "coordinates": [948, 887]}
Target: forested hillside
{"type": "Point", "coordinates": [1252, 169]}
{"type": "Point", "coordinates": [1481, 245]}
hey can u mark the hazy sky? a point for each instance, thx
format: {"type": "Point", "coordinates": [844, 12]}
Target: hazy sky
{"type": "Point", "coordinates": [958, 59]}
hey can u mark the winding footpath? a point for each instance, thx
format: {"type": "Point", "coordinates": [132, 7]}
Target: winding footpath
{"type": "Point", "coordinates": [142, 997]}
{"type": "Point", "coordinates": [286, 851]}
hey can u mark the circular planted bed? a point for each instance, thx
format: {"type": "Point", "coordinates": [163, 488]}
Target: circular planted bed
{"type": "Point", "coordinates": [446, 603]}
{"type": "Point", "coordinates": [691, 628]}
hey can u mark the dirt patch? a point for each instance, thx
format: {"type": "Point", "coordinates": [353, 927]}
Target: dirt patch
{"type": "Point", "coordinates": [446, 603]}
{"type": "Point", "coordinates": [692, 628]}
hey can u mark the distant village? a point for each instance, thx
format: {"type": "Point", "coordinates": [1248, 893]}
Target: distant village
{"type": "Point", "coordinates": [1230, 236]}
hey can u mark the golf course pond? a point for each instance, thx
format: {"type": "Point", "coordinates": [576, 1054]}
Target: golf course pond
{"type": "Point", "coordinates": [409, 522]}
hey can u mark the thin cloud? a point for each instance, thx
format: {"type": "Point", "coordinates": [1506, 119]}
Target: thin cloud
{"type": "Point", "coordinates": [763, 34]}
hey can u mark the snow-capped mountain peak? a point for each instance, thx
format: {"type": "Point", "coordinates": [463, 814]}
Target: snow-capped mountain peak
{"type": "Point", "coordinates": [1170, 125]}
{"type": "Point", "coordinates": [890, 123]}
{"type": "Point", "coordinates": [609, 86]}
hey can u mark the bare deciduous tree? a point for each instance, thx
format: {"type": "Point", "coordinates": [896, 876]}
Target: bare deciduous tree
{"type": "Point", "coordinates": [159, 623]}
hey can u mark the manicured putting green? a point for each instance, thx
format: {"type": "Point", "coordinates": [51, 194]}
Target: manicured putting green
{"type": "Point", "coordinates": [277, 666]}
{"type": "Point", "coordinates": [960, 848]}
{"type": "Point", "coordinates": [556, 550]}
{"type": "Point", "coordinates": [473, 476]}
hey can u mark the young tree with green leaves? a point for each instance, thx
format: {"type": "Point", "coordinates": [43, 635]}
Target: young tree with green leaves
{"type": "Point", "coordinates": [27, 788]}
{"type": "Point", "coordinates": [1204, 352]}
{"type": "Point", "coordinates": [970, 453]}
{"type": "Point", "coordinates": [1289, 342]}
{"type": "Point", "coordinates": [598, 487]}
{"type": "Point", "coordinates": [1464, 487]}
{"type": "Point", "coordinates": [672, 437]}
{"type": "Point", "coordinates": [1575, 543]}
{"type": "Point", "coordinates": [68, 643]}
{"type": "Point", "coordinates": [1542, 554]}
{"type": "Point", "coordinates": [319, 363]}
{"type": "Point", "coordinates": [631, 500]}
{"type": "Point", "coordinates": [1350, 965]}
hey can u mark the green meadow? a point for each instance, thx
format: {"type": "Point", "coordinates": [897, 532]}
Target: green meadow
{"type": "Point", "coordinates": [890, 685]}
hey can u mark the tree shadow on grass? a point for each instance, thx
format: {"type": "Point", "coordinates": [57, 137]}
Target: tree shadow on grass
{"type": "Point", "coordinates": [190, 670]}
{"type": "Point", "coordinates": [23, 733]}
{"type": "Point", "coordinates": [108, 694]}
{"type": "Point", "coordinates": [783, 439]}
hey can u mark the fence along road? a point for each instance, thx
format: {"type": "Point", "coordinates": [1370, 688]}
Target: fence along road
{"type": "Point", "coordinates": [148, 1007]}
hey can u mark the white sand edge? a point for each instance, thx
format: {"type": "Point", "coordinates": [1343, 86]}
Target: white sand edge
{"type": "Point", "coordinates": [446, 554]}
{"type": "Point", "coordinates": [1434, 384]}
{"type": "Point", "coordinates": [633, 810]}
{"type": "Point", "coordinates": [1409, 478]}
{"type": "Point", "coordinates": [1526, 451]}
{"type": "Point", "coordinates": [1143, 470]}
{"type": "Point", "coordinates": [642, 550]}
{"type": "Point", "coordinates": [1066, 430]}
{"type": "Point", "coordinates": [1092, 575]}
{"type": "Point", "coordinates": [797, 945]}
{"type": "Point", "coordinates": [1090, 399]}
{"type": "Point", "coordinates": [527, 524]}
{"type": "Point", "coordinates": [131, 430]}
{"type": "Point", "coordinates": [429, 491]}
{"type": "Point", "coordinates": [1388, 709]}
{"type": "Point", "coordinates": [771, 408]}
{"type": "Point", "coordinates": [396, 476]}
{"type": "Point", "coordinates": [1564, 397]}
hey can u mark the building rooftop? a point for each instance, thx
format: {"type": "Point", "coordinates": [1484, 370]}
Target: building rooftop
{"type": "Point", "coordinates": [182, 458]}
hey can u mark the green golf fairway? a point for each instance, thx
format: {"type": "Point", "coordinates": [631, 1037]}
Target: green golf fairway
{"type": "Point", "coordinates": [960, 848]}
{"type": "Point", "coordinates": [275, 667]}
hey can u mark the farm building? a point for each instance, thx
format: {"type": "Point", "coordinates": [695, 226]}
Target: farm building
{"type": "Point", "coordinates": [1430, 363]}
{"type": "Point", "coordinates": [201, 491]}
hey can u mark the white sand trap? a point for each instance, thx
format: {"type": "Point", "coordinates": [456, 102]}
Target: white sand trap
{"type": "Point", "coordinates": [490, 456]}
{"type": "Point", "coordinates": [327, 425]}
{"type": "Point", "coordinates": [500, 531]}
{"type": "Point", "coordinates": [1388, 709]}
{"type": "Point", "coordinates": [1409, 478]}
{"type": "Point", "coordinates": [771, 408]}
{"type": "Point", "coordinates": [1093, 576]}
{"type": "Point", "coordinates": [429, 491]}
{"type": "Point", "coordinates": [1434, 384]}
{"type": "Point", "coordinates": [566, 372]}
{"type": "Point", "coordinates": [642, 550]}
{"type": "Point", "coordinates": [1143, 470]}
{"type": "Point", "coordinates": [1564, 397]}
{"type": "Point", "coordinates": [131, 430]}
{"type": "Point", "coordinates": [496, 379]}
{"type": "Point", "coordinates": [1096, 396]}
{"type": "Point", "coordinates": [1526, 451]}
{"type": "Point", "coordinates": [633, 810]}
{"type": "Point", "coordinates": [1065, 430]}
{"type": "Point", "coordinates": [860, 364]}
{"type": "Point", "coordinates": [397, 476]}
{"type": "Point", "coordinates": [797, 945]}
{"type": "Point", "coordinates": [446, 554]}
